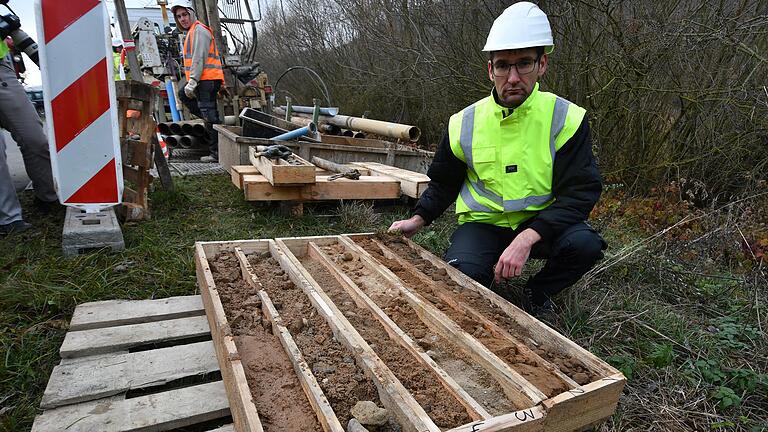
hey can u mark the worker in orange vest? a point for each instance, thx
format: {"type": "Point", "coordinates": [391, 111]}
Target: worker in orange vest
{"type": "Point", "coordinates": [203, 70]}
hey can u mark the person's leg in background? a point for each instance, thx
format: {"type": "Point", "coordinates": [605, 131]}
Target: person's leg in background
{"type": "Point", "coordinates": [10, 208]}
{"type": "Point", "coordinates": [19, 117]}
{"type": "Point", "coordinates": [207, 92]}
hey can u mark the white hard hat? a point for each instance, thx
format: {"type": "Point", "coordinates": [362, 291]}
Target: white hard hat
{"type": "Point", "coordinates": [181, 3]}
{"type": "Point", "coordinates": [522, 25]}
{"type": "Point", "coordinates": [116, 42]}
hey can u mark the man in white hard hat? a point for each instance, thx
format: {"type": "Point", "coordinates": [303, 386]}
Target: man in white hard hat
{"type": "Point", "coordinates": [529, 179]}
{"type": "Point", "coordinates": [203, 71]}
{"type": "Point", "coordinates": [117, 49]}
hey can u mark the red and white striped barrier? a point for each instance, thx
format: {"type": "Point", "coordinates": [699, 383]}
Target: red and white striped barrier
{"type": "Point", "coordinates": [80, 102]}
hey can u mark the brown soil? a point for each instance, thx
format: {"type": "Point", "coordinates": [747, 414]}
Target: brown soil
{"type": "Point", "coordinates": [276, 391]}
{"type": "Point", "coordinates": [440, 405]}
{"type": "Point", "coordinates": [515, 355]}
{"type": "Point", "coordinates": [472, 377]}
{"type": "Point", "coordinates": [334, 367]}
{"type": "Point", "coordinates": [570, 366]}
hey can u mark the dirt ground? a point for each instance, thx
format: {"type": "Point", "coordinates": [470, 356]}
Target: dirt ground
{"type": "Point", "coordinates": [277, 393]}
{"type": "Point", "coordinates": [472, 377]}
{"type": "Point", "coordinates": [571, 367]}
{"type": "Point", "coordinates": [343, 382]}
{"type": "Point", "coordinates": [440, 405]}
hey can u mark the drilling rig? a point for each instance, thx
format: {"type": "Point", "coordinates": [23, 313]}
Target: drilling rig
{"type": "Point", "coordinates": [233, 22]}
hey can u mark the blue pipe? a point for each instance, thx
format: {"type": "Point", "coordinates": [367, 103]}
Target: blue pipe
{"type": "Point", "coordinates": [296, 133]}
{"type": "Point", "coordinates": [309, 110]}
{"type": "Point", "coordinates": [172, 101]}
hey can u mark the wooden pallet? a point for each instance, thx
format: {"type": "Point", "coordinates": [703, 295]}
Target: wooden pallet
{"type": "Point", "coordinates": [136, 365]}
{"type": "Point", "coordinates": [577, 407]}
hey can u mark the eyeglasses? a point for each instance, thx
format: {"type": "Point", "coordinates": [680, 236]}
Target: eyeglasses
{"type": "Point", "coordinates": [523, 67]}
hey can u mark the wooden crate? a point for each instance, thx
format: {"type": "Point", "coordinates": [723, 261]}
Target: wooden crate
{"type": "Point", "coordinates": [136, 365]}
{"type": "Point", "coordinates": [569, 406]}
{"type": "Point", "coordinates": [233, 150]}
{"type": "Point", "coordinates": [281, 172]}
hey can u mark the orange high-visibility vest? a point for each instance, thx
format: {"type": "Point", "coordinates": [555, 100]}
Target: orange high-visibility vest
{"type": "Point", "coordinates": [212, 67]}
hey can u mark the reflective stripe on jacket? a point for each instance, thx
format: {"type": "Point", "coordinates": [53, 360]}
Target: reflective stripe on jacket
{"type": "Point", "coordinates": [212, 68]}
{"type": "Point", "coordinates": [510, 156]}
{"type": "Point", "coordinates": [3, 49]}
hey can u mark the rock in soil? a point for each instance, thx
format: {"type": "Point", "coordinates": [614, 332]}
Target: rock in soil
{"type": "Point", "coordinates": [367, 413]}
{"type": "Point", "coordinates": [355, 426]}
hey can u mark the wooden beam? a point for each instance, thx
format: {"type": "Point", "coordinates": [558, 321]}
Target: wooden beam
{"type": "Point", "coordinates": [312, 390]}
{"type": "Point", "coordinates": [280, 172]}
{"type": "Point", "coordinates": [474, 409]}
{"type": "Point", "coordinates": [89, 380]}
{"type": "Point", "coordinates": [258, 188]}
{"type": "Point", "coordinates": [412, 184]}
{"type": "Point", "coordinates": [534, 330]}
{"type": "Point", "coordinates": [525, 420]}
{"type": "Point", "coordinates": [244, 413]}
{"type": "Point", "coordinates": [169, 410]}
{"type": "Point", "coordinates": [463, 308]}
{"type": "Point", "coordinates": [239, 171]}
{"type": "Point", "coordinates": [113, 313]}
{"type": "Point", "coordinates": [111, 339]}
{"type": "Point", "coordinates": [393, 395]}
{"type": "Point", "coordinates": [521, 392]}
{"type": "Point", "coordinates": [577, 409]}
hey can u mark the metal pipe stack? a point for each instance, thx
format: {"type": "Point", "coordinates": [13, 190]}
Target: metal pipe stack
{"type": "Point", "coordinates": [185, 134]}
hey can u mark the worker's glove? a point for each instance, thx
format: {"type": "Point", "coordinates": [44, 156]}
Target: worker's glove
{"type": "Point", "coordinates": [189, 89]}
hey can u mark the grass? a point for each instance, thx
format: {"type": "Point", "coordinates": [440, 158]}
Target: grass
{"type": "Point", "coordinates": [683, 317]}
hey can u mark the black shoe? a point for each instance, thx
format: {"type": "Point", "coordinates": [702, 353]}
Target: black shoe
{"type": "Point", "coordinates": [546, 313]}
{"type": "Point", "coordinates": [47, 207]}
{"type": "Point", "coordinates": [14, 227]}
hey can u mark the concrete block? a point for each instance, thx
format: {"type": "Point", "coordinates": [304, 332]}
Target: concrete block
{"type": "Point", "coordinates": [85, 232]}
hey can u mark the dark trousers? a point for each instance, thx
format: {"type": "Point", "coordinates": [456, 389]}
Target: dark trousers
{"type": "Point", "coordinates": [204, 106]}
{"type": "Point", "coordinates": [476, 247]}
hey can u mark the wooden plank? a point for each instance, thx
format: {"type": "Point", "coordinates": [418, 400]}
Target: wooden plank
{"type": "Point", "coordinates": [412, 184]}
{"type": "Point", "coordinates": [112, 313]}
{"type": "Point", "coordinates": [257, 188]}
{"type": "Point", "coordinates": [518, 389]}
{"type": "Point", "coordinates": [526, 420]}
{"type": "Point", "coordinates": [474, 409]}
{"type": "Point", "coordinates": [393, 395]}
{"type": "Point", "coordinates": [136, 153]}
{"type": "Point", "coordinates": [110, 339]}
{"type": "Point", "coordinates": [312, 390]}
{"type": "Point", "coordinates": [161, 411]}
{"type": "Point", "coordinates": [137, 176]}
{"type": "Point", "coordinates": [238, 171]}
{"type": "Point", "coordinates": [227, 428]}
{"type": "Point", "coordinates": [89, 380]}
{"type": "Point", "coordinates": [244, 413]}
{"type": "Point", "coordinates": [538, 334]}
{"type": "Point", "coordinates": [280, 172]}
{"type": "Point", "coordinates": [493, 328]}
{"type": "Point", "coordinates": [579, 408]}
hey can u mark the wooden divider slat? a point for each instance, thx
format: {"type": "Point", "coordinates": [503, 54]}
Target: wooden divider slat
{"type": "Point", "coordinates": [474, 409]}
{"type": "Point", "coordinates": [518, 389]}
{"type": "Point", "coordinates": [244, 413]}
{"type": "Point", "coordinates": [538, 332]}
{"type": "Point", "coordinates": [394, 396]}
{"type": "Point", "coordinates": [476, 316]}
{"type": "Point", "coordinates": [312, 389]}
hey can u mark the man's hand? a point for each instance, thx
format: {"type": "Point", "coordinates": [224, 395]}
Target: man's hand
{"type": "Point", "coordinates": [408, 227]}
{"type": "Point", "coordinates": [189, 89]}
{"type": "Point", "coordinates": [514, 257]}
